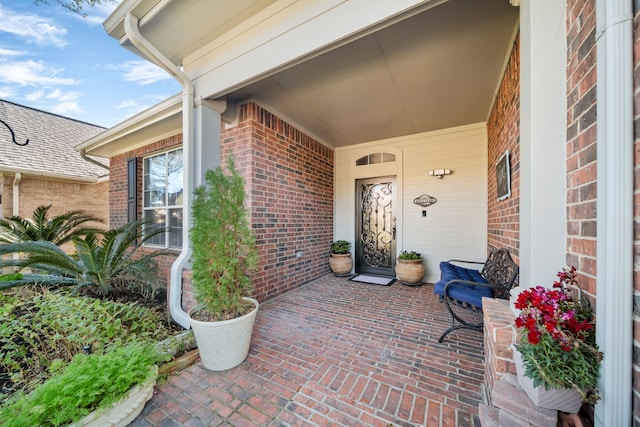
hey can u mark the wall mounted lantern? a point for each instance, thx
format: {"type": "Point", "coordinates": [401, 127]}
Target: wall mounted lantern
{"type": "Point", "coordinates": [439, 173]}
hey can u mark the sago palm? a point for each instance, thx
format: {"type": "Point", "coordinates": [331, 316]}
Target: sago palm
{"type": "Point", "coordinates": [57, 230]}
{"type": "Point", "coordinates": [99, 265]}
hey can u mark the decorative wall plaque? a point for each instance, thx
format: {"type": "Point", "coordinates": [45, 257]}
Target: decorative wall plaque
{"type": "Point", "coordinates": [425, 200]}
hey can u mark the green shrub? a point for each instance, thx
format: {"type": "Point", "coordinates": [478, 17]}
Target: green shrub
{"type": "Point", "coordinates": [411, 255]}
{"type": "Point", "coordinates": [223, 244]}
{"type": "Point", "coordinates": [340, 247]}
{"type": "Point", "coordinates": [88, 383]}
{"type": "Point", "coordinates": [43, 326]}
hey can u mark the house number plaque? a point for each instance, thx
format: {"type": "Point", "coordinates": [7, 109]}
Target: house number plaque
{"type": "Point", "coordinates": [425, 200]}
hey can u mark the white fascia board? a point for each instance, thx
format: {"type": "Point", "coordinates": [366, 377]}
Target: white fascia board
{"type": "Point", "coordinates": [114, 24]}
{"type": "Point", "coordinates": [286, 32]}
{"type": "Point", "coordinates": [163, 111]}
{"type": "Point", "coordinates": [4, 170]}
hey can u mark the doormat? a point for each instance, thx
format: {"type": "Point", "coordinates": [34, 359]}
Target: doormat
{"type": "Point", "coordinates": [373, 280]}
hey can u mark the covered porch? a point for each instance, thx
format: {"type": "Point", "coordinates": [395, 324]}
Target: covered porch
{"type": "Point", "coordinates": [336, 352]}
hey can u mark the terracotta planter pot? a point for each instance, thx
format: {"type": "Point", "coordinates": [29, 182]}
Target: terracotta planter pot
{"type": "Point", "coordinates": [564, 399]}
{"type": "Point", "coordinates": [341, 264]}
{"type": "Point", "coordinates": [410, 271]}
{"type": "Point", "coordinates": [225, 344]}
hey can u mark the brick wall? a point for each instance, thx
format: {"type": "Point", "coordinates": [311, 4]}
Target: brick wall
{"type": "Point", "coordinates": [581, 141]}
{"type": "Point", "coordinates": [290, 181]}
{"type": "Point", "coordinates": [64, 196]}
{"type": "Point", "coordinates": [503, 132]}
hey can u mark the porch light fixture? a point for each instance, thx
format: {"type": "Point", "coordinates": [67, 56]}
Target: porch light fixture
{"type": "Point", "coordinates": [439, 173]}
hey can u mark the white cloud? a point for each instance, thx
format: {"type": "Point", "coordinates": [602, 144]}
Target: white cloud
{"type": "Point", "coordinates": [7, 92]}
{"type": "Point", "coordinates": [11, 52]}
{"type": "Point", "coordinates": [33, 28]}
{"type": "Point", "coordinates": [34, 96]}
{"type": "Point", "coordinates": [32, 73]}
{"type": "Point", "coordinates": [140, 72]}
{"type": "Point", "coordinates": [66, 108]}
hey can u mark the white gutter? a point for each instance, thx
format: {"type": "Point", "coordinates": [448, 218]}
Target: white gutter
{"type": "Point", "coordinates": [84, 156]}
{"type": "Point", "coordinates": [615, 221]}
{"type": "Point", "coordinates": [175, 285]}
{"type": "Point", "coordinates": [30, 172]}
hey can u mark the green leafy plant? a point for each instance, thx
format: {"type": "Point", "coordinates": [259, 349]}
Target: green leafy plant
{"type": "Point", "coordinates": [223, 245]}
{"type": "Point", "coordinates": [557, 337]}
{"type": "Point", "coordinates": [38, 327]}
{"type": "Point", "coordinates": [99, 266]}
{"type": "Point", "coordinates": [88, 383]}
{"type": "Point", "coordinates": [57, 230]}
{"type": "Point", "coordinates": [340, 247]}
{"type": "Point", "coordinates": [410, 255]}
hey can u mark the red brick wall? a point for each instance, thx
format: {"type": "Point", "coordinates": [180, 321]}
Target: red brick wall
{"type": "Point", "coordinates": [581, 141]}
{"type": "Point", "coordinates": [290, 180]}
{"type": "Point", "coordinates": [503, 132]}
{"type": "Point", "coordinates": [290, 185]}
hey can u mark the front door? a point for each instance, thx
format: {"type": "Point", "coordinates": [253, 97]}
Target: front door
{"type": "Point", "coordinates": [375, 243]}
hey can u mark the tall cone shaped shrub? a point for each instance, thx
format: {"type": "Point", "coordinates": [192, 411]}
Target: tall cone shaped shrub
{"type": "Point", "coordinates": [223, 245]}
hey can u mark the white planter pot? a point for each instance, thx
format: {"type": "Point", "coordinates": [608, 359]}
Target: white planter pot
{"type": "Point", "coordinates": [225, 344]}
{"type": "Point", "coordinates": [124, 411]}
{"type": "Point", "coordinates": [564, 399]}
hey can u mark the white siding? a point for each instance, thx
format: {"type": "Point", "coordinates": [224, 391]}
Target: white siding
{"type": "Point", "coordinates": [456, 226]}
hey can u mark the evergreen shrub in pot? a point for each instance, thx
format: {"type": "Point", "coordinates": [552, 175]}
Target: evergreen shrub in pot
{"type": "Point", "coordinates": [223, 255]}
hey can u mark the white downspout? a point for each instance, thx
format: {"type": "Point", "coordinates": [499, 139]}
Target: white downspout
{"type": "Point", "coordinates": [615, 221]}
{"type": "Point", "coordinates": [175, 285]}
{"type": "Point", "coordinates": [16, 193]}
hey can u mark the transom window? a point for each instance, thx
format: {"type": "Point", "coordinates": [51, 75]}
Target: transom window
{"type": "Point", "coordinates": [375, 158]}
{"type": "Point", "coordinates": [162, 198]}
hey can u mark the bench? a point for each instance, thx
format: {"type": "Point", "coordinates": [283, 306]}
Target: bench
{"type": "Point", "coordinates": [462, 288]}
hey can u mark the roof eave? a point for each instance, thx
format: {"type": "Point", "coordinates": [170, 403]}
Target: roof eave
{"type": "Point", "coordinates": [104, 144]}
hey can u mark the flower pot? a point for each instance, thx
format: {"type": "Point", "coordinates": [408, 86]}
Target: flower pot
{"type": "Point", "coordinates": [124, 411]}
{"type": "Point", "coordinates": [341, 264]}
{"type": "Point", "coordinates": [565, 399]}
{"type": "Point", "coordinates": [410, 271]}
{"type": "Point", "coordinates": [224, 344]}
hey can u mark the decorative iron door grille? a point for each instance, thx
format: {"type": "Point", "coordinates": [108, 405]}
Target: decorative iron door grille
{"type": "Point", "coordinates": [375, 226]}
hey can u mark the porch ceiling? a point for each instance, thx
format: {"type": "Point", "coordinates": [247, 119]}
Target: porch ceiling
{"type": "Point", "coordinates": [438, 69]}
{"type": "Point", "coordinates": [432, 70]}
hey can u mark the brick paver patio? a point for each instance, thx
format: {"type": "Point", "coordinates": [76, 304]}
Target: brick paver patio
{"type": "Point", "coordinates": [336, 353]}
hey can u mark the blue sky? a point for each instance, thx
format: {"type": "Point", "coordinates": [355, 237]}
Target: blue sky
{"type": "Point", "coordinates": [56, 61]}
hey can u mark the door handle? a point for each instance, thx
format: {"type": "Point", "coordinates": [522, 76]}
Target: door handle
{"type": "Point", "coordinates": [393, 229]}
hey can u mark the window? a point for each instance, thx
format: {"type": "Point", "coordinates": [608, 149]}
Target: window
{"type": "Point", "coordinates": [375, 158]}
{"type": "Point", "coordinates": [162, 198]}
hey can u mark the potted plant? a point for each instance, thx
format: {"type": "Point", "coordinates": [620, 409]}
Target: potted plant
{"type": "Point", "coordinates": [409, 268]}
{"type": "Point", "coordinates": [340, 260]}
{"type": "Point", "coordinates": [223, 255]}
{"type": "Point", "coordinates": [557, 345]}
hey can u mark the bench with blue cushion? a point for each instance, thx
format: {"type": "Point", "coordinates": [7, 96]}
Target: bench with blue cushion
{"type": "Point", "coordinates": [462, 288]}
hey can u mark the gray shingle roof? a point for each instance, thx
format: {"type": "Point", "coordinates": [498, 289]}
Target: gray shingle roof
{"type": "Point", "coordinates": [51, 141]}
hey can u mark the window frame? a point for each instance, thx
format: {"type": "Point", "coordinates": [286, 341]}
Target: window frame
{"type": "Point", "coordinates": [166, 206]}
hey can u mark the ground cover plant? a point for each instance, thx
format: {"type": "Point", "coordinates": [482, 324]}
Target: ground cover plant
{"type": "Point", "coordinates": [42, 328]}
{"type": "Point", "coordinates": [88, 382]}
{"type": "Point", "coordinates": [76, 330]}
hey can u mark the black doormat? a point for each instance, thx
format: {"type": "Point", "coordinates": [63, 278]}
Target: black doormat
{"type": "Point", "coordinates": [373, 280]}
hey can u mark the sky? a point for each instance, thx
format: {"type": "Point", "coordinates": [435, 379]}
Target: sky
{"type": "Point", "coordinates": [56, 61]}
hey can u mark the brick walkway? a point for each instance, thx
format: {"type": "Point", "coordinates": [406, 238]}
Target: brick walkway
{"type": "Point", "coordinates": [336, 353]}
